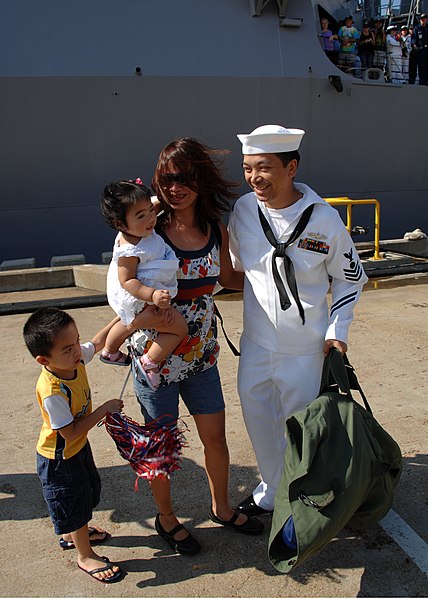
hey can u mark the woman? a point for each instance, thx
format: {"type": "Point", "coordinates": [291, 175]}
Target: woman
{"type": "Point", "coordinates": [193, 194]}
{"type": "Point", "coordinates": [379, 56]}
{"type": "Point", "coordinates": [366, 45]}
{"type": "Point", "coordinates": [327, 40]}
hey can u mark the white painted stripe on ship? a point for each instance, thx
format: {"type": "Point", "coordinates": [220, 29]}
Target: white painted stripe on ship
{"type": "Point", "coordinates": [407, 539]}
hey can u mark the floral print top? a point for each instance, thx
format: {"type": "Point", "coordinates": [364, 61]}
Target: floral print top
{"type": "Point", "coordinates": [197, 275]}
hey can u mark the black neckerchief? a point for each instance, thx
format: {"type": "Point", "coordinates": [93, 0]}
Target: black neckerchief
{"type": "Point", "coordinates": [288, 264]}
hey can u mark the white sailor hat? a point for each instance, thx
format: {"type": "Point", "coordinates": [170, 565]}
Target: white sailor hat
{"type": "Point", "coordinates": [271, 139]}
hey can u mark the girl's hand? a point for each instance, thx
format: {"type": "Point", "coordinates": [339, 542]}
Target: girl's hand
{"type": "Point", "coordinates": [161, 298]}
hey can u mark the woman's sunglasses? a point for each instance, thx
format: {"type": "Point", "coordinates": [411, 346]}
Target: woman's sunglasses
{"type": "Point", "coordinates": [170, 178]}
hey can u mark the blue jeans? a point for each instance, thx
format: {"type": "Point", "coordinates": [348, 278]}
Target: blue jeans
{"type": "Point", "coordinates": [201, 393]}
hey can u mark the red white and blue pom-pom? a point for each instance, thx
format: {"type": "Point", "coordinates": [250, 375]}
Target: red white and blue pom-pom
{"type": "Point", "coordinates": [151, 450]}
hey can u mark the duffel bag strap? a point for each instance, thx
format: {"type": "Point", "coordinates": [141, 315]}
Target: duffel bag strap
{"type": "Point", "coordinates": [336, 369]}
{"type": "Point", "coordinates": [334, 372]}
{"type": "Point", "coordinates": [354, 384]}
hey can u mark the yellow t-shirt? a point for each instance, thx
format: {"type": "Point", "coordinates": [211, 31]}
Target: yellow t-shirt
{"type": "Point", "coordinates": [62, 401]}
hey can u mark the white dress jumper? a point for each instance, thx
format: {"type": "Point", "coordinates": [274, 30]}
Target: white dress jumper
{"type": "Point", "coordinates": [281, 358]}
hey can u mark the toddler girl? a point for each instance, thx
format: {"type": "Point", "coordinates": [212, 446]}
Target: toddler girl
{"type": "Point", "coordinates": [142, 271]}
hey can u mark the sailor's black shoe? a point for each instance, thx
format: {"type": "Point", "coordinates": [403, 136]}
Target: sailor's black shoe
{"type": "Point", "coordinates": [250, 508]}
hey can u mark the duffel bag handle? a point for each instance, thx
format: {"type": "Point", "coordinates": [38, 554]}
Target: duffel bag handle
{"type": "Point", "coordinates": [336, 369]}
{"type": "Point", "coordinates": [334, 372]}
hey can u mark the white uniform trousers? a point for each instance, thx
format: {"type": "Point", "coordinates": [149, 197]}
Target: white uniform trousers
{"type": "Point", "coordinates": [271, 388]}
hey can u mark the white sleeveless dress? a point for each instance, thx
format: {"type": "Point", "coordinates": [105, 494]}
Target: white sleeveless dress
{"type": "Point", "coordinates": [157, 268]}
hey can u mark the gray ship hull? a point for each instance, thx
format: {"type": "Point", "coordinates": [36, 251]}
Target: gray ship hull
{"type": "Point", "coordinates": [70, 127]}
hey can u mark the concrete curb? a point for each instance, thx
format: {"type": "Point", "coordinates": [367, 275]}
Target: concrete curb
{"type": "Point", "coordinates": [36, 278]}
{"type": "Point", "coordinates": [88, 276]}
{"type": "Point", "coordinates": [93, 277]}
{"type": "Point", "coordinates": [85, 276]}
{"type": "Point", "coordinates": [65, 303]}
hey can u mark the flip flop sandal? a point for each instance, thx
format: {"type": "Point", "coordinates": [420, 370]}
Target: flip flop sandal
{"type": "Point", "coordinates": [92, 532]}
{"type": "Point", "coordinates": [251, 527]}
{"type": "Point", "coordinates": [120, 360]}
{"type": "Point", "coordinates": [187, 546]}
{"type": "Point", "coordinates": [115, 578]}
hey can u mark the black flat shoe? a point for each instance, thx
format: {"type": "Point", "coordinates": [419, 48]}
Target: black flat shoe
{"type": "Point", "coordinates": [250, 508]}
{"type": "Point", "coordinates": [251, 526]}
{"type": "Point", "coordinates": [187, 546]}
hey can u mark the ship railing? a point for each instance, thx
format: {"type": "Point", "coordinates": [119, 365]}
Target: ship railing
{"type": "Point", "coordinates": [354, 71]}
{"type": "Point", "coordinates": [349, 203]}
{"type": "Point", "coordinates": [391, 11]}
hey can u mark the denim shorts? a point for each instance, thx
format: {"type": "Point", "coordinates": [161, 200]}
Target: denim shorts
{"type": "Point", "coordinates": [71, 489]}
{"type": "Point", "coordinates": [201, 393]}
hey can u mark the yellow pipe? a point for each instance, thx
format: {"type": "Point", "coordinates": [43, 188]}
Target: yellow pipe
{"type": "Point", "coordinates": [344, 201]}
{"type": "Point", "coordinates": [349, 217]}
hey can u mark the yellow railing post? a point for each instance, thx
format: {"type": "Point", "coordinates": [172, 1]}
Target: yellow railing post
{"type": "Point", "coordinates": [349, 218]}
{"type": "Point", "coordinates": [344, 201]}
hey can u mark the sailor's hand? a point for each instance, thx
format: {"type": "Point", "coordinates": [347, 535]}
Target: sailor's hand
{"type": "Point", "coordinates": [340, 345]}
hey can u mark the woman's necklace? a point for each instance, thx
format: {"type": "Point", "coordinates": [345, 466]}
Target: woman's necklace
{"type": "Point", "coordinates": [187, 236]}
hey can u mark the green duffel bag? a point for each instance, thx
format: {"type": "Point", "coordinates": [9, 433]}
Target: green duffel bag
{"type": "Point", "coordinates": [340, 468]}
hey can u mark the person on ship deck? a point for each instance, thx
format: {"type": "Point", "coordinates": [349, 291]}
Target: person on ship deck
{"type": "Point", "coordinates": [349, 61]}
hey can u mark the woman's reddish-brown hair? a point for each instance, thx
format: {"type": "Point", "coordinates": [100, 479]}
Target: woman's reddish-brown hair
{"type": "Point", "coordinates": [200, 170]}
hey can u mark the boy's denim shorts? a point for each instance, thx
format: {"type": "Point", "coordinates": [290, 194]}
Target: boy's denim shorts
{"type": "Point", "coordinates": [201, 393]}
{"type": "Point", "coordinates": [71, 489]}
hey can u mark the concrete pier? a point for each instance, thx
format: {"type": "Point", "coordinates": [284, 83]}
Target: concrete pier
{"type": "Point", "coordinates": [388, 348]}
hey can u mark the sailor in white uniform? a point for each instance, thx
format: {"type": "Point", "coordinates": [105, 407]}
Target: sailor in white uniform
{"type": "Point", "coordinates": [288, 325]}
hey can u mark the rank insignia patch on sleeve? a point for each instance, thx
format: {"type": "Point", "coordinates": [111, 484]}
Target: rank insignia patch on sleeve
{"type": "Point", "coordinates": [355, 270]}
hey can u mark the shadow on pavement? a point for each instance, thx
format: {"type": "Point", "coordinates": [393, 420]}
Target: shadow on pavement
{"type": "Point", "coordinates": [225, 550]}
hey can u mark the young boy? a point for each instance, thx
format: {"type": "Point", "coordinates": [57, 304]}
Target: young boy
{"type": "Point", "coordinates": [70, 481]}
